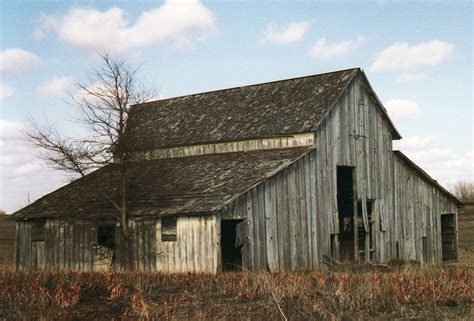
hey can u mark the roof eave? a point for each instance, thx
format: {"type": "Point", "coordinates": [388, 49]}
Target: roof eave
{"type": "Point", "coordinates": [427, 177]}
{"type": "Point", "coordinates": [395, 133]}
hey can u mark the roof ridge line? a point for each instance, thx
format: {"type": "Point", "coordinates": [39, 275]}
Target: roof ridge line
{"type": "Point", "coordinates": [245, 86]}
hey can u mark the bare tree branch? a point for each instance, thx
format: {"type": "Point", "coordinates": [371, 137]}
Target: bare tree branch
{"type": "Point", "coordinates": [101, 105]}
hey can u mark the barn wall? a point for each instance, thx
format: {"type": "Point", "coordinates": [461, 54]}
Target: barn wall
{"type": "Point", "coordinates": [70, 246]}
{"type": "Point", "coordinates": [282, 220]}
{"type": "Point", "coordinates": [65, 247]}
{"type": "Point", "coordinates": [355, 133]}
{"type": "Point", "coordinates": [418, 207]}
{"type": "Point", "coordinates": [293, 214]}
{"type": "Point", "coordinates": [196, 249]}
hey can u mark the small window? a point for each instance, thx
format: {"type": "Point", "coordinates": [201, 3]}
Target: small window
{"type": "Point", "coordinates": [37, 230]}
{"type": "Point", "coordinates": [168, 229]}
{"type": "Point", "coordinates": [106, 236]}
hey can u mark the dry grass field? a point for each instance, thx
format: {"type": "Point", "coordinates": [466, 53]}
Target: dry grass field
{"type": "Point", "coordinates": [7, 239]}
{"type": "Point", "coordinates": [466, 239]}
{"type": "Point", "coordinates": [406, 292]}
{"type": "Point", "coordinates": [350, 293]}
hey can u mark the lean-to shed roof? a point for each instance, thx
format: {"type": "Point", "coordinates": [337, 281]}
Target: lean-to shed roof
{"type": "Point", "coordinates": [426, 176]}
{"type": "Point", "coordinates": [187, 185]}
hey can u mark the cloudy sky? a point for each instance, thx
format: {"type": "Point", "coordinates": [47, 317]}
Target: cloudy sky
{"type": "Point", "coordinates": [417, 55]}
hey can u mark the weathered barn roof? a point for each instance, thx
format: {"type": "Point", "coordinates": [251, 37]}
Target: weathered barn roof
{"type": "Point", "coordinates": [257, 111]}
{"type": "Point", "coordinates": [197, 184]}
{"type": "Point", "coordinates": [426, 176]}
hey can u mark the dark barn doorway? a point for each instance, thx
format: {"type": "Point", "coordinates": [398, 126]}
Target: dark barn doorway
{"type": "Point", "coordinates": [345, 205]}
{"type": "Point", "coordinates": [230, 253]}
{"type": "Point", "coordinates": [448, 237]}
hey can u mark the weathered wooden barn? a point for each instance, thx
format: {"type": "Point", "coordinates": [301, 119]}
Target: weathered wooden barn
{"type": "Point", "coordinates": [273, 176]}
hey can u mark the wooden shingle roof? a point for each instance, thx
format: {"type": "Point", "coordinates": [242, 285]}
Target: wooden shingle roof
{"type": "Point", "coordinates": [257, 111]}
{"type": "Point", "coordinates": [175, 186]}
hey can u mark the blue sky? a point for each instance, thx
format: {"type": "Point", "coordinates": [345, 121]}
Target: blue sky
{"type": "Point", "coordinates": [417, 56]}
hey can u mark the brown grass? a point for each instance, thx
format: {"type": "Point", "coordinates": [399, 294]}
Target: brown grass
{"type": "Point", "coordinates": [7, 241]}
{"type": "Point", "coordinates": [466, 240]}
{"type": "Point", "coordinates": [405, 292]}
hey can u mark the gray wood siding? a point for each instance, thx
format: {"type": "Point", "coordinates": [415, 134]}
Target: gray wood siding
{"type": "Point", "coordinates": [65, 247]}
{"type": "Point", "coordinates": [196, 249]}
{"type": "Point", "coordinates": [300, 204]}
{"type": "Point", "coordinates": [282, 219]}
{"type": "Point", "coordinates": [73, 246]}
{"type": "Point", "coordinates": [419, 206]}
{"type": "Point", "coordinates": [293, 214]}
{"type": "Point", "coordinates": [355, 133]}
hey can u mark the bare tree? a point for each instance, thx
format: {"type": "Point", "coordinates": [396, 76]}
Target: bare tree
{"type": "Point", "coordinates": [464, 190]}
{"type": "Point", "coordinates": [101, 104]}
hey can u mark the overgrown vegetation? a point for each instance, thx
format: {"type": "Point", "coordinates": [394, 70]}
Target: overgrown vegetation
{"type": "Point", "coordinates": [464, 190]}
{"type": "Point", "coordinates": [362, 294]}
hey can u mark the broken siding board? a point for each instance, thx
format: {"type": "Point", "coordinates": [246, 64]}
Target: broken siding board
{"type": "Point", "coordinates": [271, 225]}
{"type": "Point", "coordinates": [304, 224]}
{"type": "Point", "coordinates": [307, 203]}
{"type": "Point", "coordinates": [281, 220]}
{"type": "Point", "coordinates": [250, 244]}
{"type": "Point", "coordinates": [261, 238]}
{"type": "Point", "coordinates": [316, 231]}
{"type": "Point", "coordinates": [292, 219]}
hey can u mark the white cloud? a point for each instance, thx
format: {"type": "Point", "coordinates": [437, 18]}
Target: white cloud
{"type": "Point", "coordinates": [56, 86]}
{"type": "Point", "coordinates": [443, 164]}
{"type": "Point", "coordinates": [45, 24]}
{"type": "Point", "coordinates": [281, 34]}
{"type": "Point", "coordinates": [22, 175]}
{"type": "Point", "coordinates": [16, 60]}
{"type": "Point", "coordinates": [414, 142]}
{"type": "Point", "coordinates": [401, 110]}
{"type": "Point", "coordinates": [5, 92]}
{"type": "Point", "coordinates": [323, 50]}
{"type": "Point", "coordinates": [408, 77]}
{"type": "Point", "coordinates": [401, 55]}
{"type": "Point", "coordinates": [93, 30]}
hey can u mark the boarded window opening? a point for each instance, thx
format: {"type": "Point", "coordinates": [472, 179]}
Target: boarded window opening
{"type": "Point", "coordinates": [231, 250]}
{"type": "Point", "coordinates": [106, 236]}
{"type": "Point", "coordinates": [345, 205]}
{"type": "Point", "coordinates": [38, 230]}
{"type": "Point", "coordinates": [448, 237]}
{"type": "Point", "coordinates": [168, 229]}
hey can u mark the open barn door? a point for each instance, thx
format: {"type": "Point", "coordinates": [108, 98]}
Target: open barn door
{"type": "Point", "coordinates": [345, 205]}
{"type": "Point", "coordinates": [234, 234]}
{"type": "Point", "coordinates": [448, 237]}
